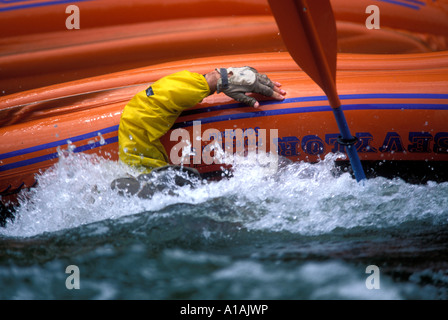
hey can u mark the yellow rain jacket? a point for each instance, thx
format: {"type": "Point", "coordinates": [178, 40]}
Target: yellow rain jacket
{"type": "Point", "coordinates": [151, 113]}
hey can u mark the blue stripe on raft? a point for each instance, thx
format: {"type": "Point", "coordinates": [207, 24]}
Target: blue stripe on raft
{"type": "Point", "coordinates": [57, 143]}
{"type": "Point", "coordinates": [324, 108]}
{"type": "Point", "coordinates": [34, 5]}
{"type": "Point", "coordinates": [406, 4]}
{"type": "Point", "coordinates": [323, 98]}
{"type": "Point", "coordinates": [54, 155]}
{"type": "Point", "coordinates": [239, 105]}
{"type": "Point", "coordinates": [312, 109]}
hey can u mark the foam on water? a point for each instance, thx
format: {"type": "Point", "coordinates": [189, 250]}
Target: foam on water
{"type": "Point", "coordinates": [302, 198]}
{"type": "Point", "coordinates": [308, 199]}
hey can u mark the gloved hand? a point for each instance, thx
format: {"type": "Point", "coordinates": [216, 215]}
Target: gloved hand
{"type": "Point", "coordinates": [236, 82]}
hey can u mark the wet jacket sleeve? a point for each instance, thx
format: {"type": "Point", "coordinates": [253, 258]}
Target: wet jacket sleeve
{"type": "Point", "coordinates": [152, 112]}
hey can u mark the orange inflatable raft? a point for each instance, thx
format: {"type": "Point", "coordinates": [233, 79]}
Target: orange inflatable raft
{"type": "Point", "coordinates": [395, 104]}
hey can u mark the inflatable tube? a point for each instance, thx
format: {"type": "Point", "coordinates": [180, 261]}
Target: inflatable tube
{"type": "Point", "coordinates": [36, 48]}
{"type": "Point", "coordinates": [397, 105]}
{"type": "Point", "coordinates": [24, 17]}
{"type": "Point", "coordinates": [148, 44]}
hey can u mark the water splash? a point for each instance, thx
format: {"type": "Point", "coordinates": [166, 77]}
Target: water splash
{"type": "Point", "coordinates": [301, 198]}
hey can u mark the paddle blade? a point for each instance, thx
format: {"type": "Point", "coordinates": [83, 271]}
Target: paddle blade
{"type": "Point", "coordinates": [308, 29]}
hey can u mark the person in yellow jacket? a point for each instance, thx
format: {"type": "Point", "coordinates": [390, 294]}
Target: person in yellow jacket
{"type": "Point", "coordinates": [152, 112]}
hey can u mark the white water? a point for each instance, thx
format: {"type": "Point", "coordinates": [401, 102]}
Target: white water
{"type": "Point", "coordinates": [302, 198]}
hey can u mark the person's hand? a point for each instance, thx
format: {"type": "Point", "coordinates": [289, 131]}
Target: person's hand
{"type": "Point", "coordinates": [236, 82]}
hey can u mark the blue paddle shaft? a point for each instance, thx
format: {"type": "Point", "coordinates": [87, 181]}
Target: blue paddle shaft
{"type": "Point", "coordinates": [350, 148]}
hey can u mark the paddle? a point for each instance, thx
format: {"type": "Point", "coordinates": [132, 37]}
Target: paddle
{"type": "Point", "coordinates": [308, 29]}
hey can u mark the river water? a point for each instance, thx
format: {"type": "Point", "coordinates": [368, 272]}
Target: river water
{"type": "Point", "coordinates": [304, 232]}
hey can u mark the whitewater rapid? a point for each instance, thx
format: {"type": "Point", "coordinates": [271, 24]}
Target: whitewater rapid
{"type": "Point", "coordinates": [301, 198]}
